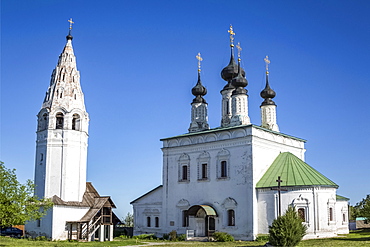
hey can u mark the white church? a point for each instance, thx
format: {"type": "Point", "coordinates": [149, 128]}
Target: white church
{"type": "Point", "coordinates": [79, 212]}
{"type": "Point", "coordinates": [225, 179]}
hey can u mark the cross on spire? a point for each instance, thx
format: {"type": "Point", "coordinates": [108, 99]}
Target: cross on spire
{"type": "Point", "coordinates": [239, 50]}
{"type": "Point", "coordinates": [231, 32]}
{"type": "Point", "coordinates": [70, 23]}
{"type": "Point", "coordinates": [199, 60]}
{"type": "Point", "coordinates": [267, 61]}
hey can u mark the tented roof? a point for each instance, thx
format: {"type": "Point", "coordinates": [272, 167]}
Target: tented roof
{"type": "Point", "coordinates": [293, 172]}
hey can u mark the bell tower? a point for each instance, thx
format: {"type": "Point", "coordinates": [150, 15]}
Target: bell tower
{"type": "Point", "coordinates": [62, 132]}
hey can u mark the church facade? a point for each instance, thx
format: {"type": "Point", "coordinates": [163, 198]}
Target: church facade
{"type": "Point", "coordinates": [224, 179]}
{"type": "Point", "coordinates": [79, 212]}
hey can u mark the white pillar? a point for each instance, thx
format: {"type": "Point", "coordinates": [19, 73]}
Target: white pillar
{"type": "Point", "coordinates": [101, 233]}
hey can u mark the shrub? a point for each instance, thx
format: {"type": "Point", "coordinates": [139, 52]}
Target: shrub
{"type": "Point", "coordinates": [173, 235]}
{"type": "Point", "coordinates": [223, 237]}
{"type": "Point", "coordinates": [287, 230]}
{"type": "Point", "coordinates": [166, 236]}
{"type": "Point", "coordinates": [181, 237]}
{"type": "Point", "coordinates": [262, 238]}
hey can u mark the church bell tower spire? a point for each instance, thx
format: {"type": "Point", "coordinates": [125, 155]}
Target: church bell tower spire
{"type": "Point", "coordinates": [62, 132]}
{"type": "Point", "coordinates": [268, 106]}
{"type": "Point", "coordinates": [239, 97]}
{"type": "Point", "coordinates": [199, 115]}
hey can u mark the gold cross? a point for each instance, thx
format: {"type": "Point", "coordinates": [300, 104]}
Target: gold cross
{"type": "Point", "coordinates": [267, 61]}
{"type": "Point", "coordinates": [199, 60]}
{"type": "Point", "coordinates": [70, 23]}
{"type": "Point", "coordinates": [231, 32]}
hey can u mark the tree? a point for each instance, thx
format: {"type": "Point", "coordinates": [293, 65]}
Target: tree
{"type": "Point", "coordinates": [287, 230]}
{"type": "Point", "coordinates": [362, 209]}
{"type": "Point", "coordinates": [17, 202]}
{"type": "Point", "coordinates": [129, 220]}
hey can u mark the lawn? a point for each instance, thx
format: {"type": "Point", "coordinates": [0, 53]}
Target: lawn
{"type": "Point", "coordinates": [355, 238]}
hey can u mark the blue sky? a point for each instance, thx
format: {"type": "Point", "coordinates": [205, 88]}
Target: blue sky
{"type": "Point", "coordinates": [137, 64]}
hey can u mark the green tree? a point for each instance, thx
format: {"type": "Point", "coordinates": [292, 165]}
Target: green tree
{"type": "Point", "coordinates": [287, 230]}
{"type": "Point", "coordinates": [17, 202]}
{"type": "Point", "coordinates": [362, 209]}
{"type": "Point", "coordinates": [129, 220]}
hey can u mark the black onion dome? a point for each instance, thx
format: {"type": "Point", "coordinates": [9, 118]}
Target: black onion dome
{"type": "Point", "coordinates": [198, 91]}
{"type": "Point", "coordinates": [231, 70]}
{"type": "Point", "coordinates": [268, 94]}
{"type": "Point", "coordinates": [69, 36]}
{"type": "Point", "coordinates": [239, 82]}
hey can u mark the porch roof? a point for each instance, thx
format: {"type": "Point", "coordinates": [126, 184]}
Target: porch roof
{"type": "Point", "coordinates": [208, 209]}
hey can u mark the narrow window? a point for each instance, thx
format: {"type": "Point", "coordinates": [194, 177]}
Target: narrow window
{"type": "Point", "coordinates": [156, 222]}
{"type": "Point", "coordinates": [344, 217]}
{"type": "Point", "coordinates": [38, 223]}
{"type": "Point", "coordinates": [223, 169]}
{"type": "Point", "coordinates": [76, 122]}
{"type": "Point", "coordinates": [301, 214]}
{"type": "Point", "coordinates": [148, 221]}
{"type": "Point", "coordinates": [204, 171]}
{"type": "Point", "coordinates": [41, 157]}
{"type": "Point", "coordinates": [60, 120]}
{"type": "Point", "coordinates": [331, 214]}
{"type": "Point", "coordinates": [231, 217]}
{"type": "Point", "coordinates": [184, 173]}
{"type": "Point", "coordinates": [227, 107]}
{"type": "Point", "coordinates": [185, 218]}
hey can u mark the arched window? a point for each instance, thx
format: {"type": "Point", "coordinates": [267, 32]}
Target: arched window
{"type": "Point", "coordinates": [301, 214]}
{"type": "Point", "coordinates": [148, 221]}
{"type": "Point", "coordinates": [230, 217]}
{"type": "Point", "coordinates": [223, 169]}
{"type": "Point", "coordinates": [60, 120]}
{"type": "Point", "coordinates": [156, 221]}
{"type": "Point", "coordinates": [76, 122]}
{"type": "Point", "coordinates": [331, 218]}
{"type": "Point", "coordinates": [184, 173]}
{"type": "Point", "coordinates": [204, 171]}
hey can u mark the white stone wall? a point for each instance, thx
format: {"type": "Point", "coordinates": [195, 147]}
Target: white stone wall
{"type": "Point", "coordinates": [149, 206]}
{"type": "Point", "coordinates": [249, 151]}
{"type": "Point", "coordinates": [53, 224]}
{"type": "Point", "coordinates": [315, 200]}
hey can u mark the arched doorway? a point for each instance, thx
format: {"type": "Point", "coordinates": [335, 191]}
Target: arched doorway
{"type": "Point", "coordinates": [202, 219]}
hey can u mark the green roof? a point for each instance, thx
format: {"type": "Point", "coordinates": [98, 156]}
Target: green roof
{"type": "Point", "coordinates": [341, 198]}
{"type": "Point", "coordinates": [293, 172]}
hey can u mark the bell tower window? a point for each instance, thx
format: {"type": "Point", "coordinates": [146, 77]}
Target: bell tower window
{"type": "Point", "coordinates": [60, 120]}
{"type": "Point", "coordinates": [76, 122]}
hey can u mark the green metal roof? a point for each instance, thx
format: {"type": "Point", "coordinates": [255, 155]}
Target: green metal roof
{"type": "Point", "coordinates": [342, 198]}
{"type": "Point", "coordinates": [210, 211]}
{"type": "Point", "coordinates": [293, 172]}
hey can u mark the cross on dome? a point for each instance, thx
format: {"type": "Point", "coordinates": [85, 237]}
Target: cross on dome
{"type": "Point", "coordinates": [70, 23]}
{"type": "Point", "coordinates": [199, 58]}
{"type": "Point", "coordinates": [231, 32]}
{"type": "Point", "coordinates": [267, 61]}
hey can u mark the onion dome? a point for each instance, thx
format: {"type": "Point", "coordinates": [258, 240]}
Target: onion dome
{"type": "Point", "coordinates": [230, 71]}
{"type": "Point", "coordinates": [239, 82]}
{"type": "Point", "coordinates": [199, 91]}
{"type": "Point", "coordinates": [69, 36]}
{"type": "Point", "coordinates": [267, 93]}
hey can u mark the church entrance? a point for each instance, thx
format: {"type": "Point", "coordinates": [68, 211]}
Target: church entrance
{"type": "Point", "coordinates": [202, 220]}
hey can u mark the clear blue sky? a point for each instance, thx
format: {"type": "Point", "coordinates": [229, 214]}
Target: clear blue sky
{"type": "Point", "coordinates": [137, 63]}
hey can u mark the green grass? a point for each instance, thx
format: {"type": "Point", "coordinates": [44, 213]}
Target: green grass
{"type": "Point", "coordinates": [355, 238]}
